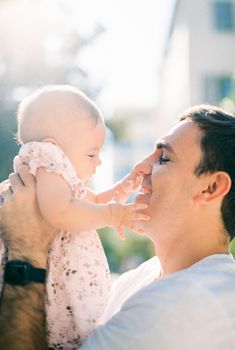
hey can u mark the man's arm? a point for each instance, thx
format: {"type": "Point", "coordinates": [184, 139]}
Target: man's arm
{"type": "Point", "coordinates": [27, 237]}
{"type": "Point", "coordinates": [22, 318]}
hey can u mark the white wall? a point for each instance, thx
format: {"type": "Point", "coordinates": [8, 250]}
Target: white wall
{"type": "Point", "coordinates": [195, 50]}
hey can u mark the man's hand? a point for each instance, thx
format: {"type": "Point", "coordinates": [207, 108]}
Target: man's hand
{"type": "Point", "coordinates": [27, 237]}
{"type": "Point", "coordinates": [24, 231]}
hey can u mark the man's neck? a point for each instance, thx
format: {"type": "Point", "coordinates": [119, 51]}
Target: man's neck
{"type": "Point", "coordinates": [183, 254]}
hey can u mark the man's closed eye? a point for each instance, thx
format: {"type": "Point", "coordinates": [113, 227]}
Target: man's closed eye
{"type": "Point", "coordinates": [163, 160]}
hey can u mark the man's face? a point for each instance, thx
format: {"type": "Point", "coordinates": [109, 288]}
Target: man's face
{"type": "Point", "coordinates": [169, 185]}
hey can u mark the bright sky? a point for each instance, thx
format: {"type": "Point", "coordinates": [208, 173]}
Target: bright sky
{"type": "Point", "coordinates": [126, 57]}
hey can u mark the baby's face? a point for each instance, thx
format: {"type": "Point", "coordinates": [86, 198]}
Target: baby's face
{"type": "Point", "coordinates": [84, 148]}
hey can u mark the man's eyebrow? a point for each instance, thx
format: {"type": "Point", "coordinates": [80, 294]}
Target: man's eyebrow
{"type": "Point", "coordinates": [164, 145]}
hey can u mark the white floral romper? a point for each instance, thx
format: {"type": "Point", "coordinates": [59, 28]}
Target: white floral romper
{"type": "Point", "coordinates": [78, 280]}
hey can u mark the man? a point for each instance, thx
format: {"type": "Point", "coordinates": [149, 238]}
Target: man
{"type": "Point", "coordinates": [189, 187]}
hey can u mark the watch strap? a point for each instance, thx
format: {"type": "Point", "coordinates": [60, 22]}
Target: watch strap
{"type": "Point", "coordinates": [37, 274]}
{"type": "Point", "coordinates": [18, 272]}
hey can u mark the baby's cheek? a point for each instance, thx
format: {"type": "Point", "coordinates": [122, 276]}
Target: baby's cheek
{"type": "Point", "coordinates": [79, 172]}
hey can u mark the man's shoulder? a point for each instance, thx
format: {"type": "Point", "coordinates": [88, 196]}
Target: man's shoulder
{"type": "Point", "coordinates": [192, 301]}
{"type": "Point", "coordinates": [183, 310]}
{"type": "Point", "coordinates": [211, 277]}
{"type": "Point", "coordinates": [132, 281]}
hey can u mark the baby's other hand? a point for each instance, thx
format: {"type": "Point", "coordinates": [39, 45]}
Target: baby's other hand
{"type": "Point", "coordinates": [127, 215]}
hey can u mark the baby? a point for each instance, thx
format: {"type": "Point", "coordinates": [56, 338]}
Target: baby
{"type": "Point", "coordinates": [62, 132]}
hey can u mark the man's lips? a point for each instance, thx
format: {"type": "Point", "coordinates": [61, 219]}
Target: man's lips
{"type": "Point", "coordinates": [145, 190]}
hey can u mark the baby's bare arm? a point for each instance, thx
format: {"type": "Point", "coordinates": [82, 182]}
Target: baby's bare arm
{"type": "Point", "coordinates": [106, 195]}
{"type": "Point", "coordinates": [121, 190]}
{"type": "Point", "coordinates": [62, 212]}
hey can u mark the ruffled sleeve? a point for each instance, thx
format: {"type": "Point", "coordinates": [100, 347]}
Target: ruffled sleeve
{"type": "Point", "coordinates": [53, 159]}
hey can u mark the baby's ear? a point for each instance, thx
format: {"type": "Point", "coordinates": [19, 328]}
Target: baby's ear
{"type": "Point", "coordinates": [50, 141]}
{"type": "Point", "coordinates": [215, 187]}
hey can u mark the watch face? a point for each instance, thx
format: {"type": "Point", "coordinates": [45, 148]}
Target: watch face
{"type": "Point", "coordinates": [17, 273]}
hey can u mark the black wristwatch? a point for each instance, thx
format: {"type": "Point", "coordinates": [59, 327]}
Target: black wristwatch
{"type": "Point", "coordinates": [20, 273]}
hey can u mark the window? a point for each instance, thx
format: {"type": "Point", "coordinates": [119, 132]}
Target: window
{"type": "Point", "coordinates": [224, 15]}
{"type": "Point", "coordinates": [216, 88]}
{"type": "Point", "coordinates": [225, 86]}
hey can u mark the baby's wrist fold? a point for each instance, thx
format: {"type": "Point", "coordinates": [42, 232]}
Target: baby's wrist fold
{"type": "Point", "coordinates": [113, 218]}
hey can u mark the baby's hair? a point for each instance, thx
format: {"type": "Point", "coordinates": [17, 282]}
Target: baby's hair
{"type": "Point", "coordinates": [40, 113]}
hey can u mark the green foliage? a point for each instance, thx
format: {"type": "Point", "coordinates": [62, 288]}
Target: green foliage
{"type": "Point", "coordinates": [125, 254]}
{"type": "Point", "coordinates": [118, 127]}
{"type": "Point", "coordinates": [232, 247]}
{"type": "Point", "coordinates": [228, 103]}
{"type": "Point", "coordinates": [8, 146]}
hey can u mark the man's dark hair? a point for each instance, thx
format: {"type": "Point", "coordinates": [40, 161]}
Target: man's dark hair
{"type": "Point", "coordinates": [218, 152]}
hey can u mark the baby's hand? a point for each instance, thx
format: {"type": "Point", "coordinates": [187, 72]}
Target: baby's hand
{"type": "Point", "coordinates": [127, 185]}
{"type": "Point", "coordinates": [127, 215]}
{"type": "Point", "coordinates": [131, 182]}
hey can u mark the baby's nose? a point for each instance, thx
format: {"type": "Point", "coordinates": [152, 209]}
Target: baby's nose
{"type": "Point", "coordinates": [98, 161]}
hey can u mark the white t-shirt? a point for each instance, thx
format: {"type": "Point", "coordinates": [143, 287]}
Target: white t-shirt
{"type": "Point", "coordinates": [193, 309]}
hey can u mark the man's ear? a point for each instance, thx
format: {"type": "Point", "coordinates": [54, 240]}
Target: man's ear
{"type": "Point", "coordinates": [215, 186]}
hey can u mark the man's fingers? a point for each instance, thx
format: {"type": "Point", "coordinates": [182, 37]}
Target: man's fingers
{"type": "Point", "coordinates": [27, 178]}
{"type": "Point", "coordinates": [14, 181]}
{"type": "Point", "coordinates": [6, 193]}
{"type": "Point", "coordinates": [21, 179]}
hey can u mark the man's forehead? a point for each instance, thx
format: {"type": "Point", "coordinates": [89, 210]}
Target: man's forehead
{"type": "Point", "coordinates": [182, 135]}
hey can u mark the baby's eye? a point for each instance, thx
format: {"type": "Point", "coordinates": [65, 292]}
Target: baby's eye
{"type": "Point", "coordinates": [163, 160]}
{"type": "Point", "coordinates": [91, 155]}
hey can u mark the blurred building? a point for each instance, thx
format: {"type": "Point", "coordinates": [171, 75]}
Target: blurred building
{"type": "Point", "coordinates": [140, 135]}
{"type": "Point", "coordinates": [199, 58]}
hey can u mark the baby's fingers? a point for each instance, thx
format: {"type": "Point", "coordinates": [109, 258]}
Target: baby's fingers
{"type": "Point", "coordinates": [121, 232]}
{"type": "Point", "coordinates": [134, 213]}
{"type": "Point", "coordinates": [133, 183]}
{"type": "Point", "coordinates": [116, 196]}
{"type": "Point", "coordinates": [139, 216]}
{"type": "Point", "coordinates": [137, 206]}
{"type": "Point", "coordinates": [137, 230]}
{"type": "Point", "coordinates": [137, 180]}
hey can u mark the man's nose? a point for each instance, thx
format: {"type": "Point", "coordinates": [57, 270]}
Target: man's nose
{"type": "Point", "coordinates": [144, 167]}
